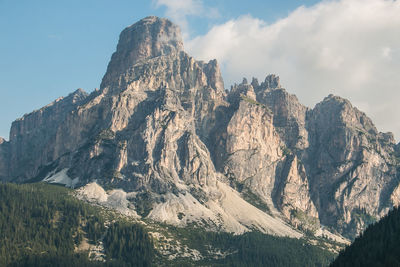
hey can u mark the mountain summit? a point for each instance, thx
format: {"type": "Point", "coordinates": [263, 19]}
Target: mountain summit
{"type": "Point", "coordinates": [149, 38]}
{"type": "Point", "coordinates": [179, 148]}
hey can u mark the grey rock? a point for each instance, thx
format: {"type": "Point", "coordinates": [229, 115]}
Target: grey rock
{"type": "Point", "coordinates": [163, 126]}
{"type": "Point", "coordinates": [292, 195]}
{"type": "Point", "coordinates": [257, 155]}
{"type": "Point", "coordinates": [254, 83]}
{"type": "Point", "coordinates": [33, 137]}
{"type": "Point", "coordinates": [352, 168]}
{"type": "Point", "coordinates": [253, 149]}
{"type": "Point", "coordinates": [271, 82]}
{"type": "Point", "coordinates": [149, 38]}
{"type": "Point", "coordinates": [147, 125]}
{"type": "Point", "coordinates": [289, 114]}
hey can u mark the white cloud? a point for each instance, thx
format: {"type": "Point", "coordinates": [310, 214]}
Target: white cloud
{"type": "Point", "coordinates": [179, 10]}
{"type": "Point", "coordinates": [350, 48]}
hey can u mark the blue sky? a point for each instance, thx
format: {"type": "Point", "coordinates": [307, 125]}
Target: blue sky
{"type": "Point", "coordinates": [50, 48]}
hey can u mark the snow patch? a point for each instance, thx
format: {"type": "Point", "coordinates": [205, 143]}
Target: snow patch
{"type": "Point", "coordinates": [61, 177]}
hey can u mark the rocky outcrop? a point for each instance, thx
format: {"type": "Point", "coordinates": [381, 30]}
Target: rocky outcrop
{"type": "Point", "coordinates": [149, 123]}
{"type": "Point", "coordinates": [289, 114]}
{"type": "Point", "coordinates": [149, 38]}
{"type": "Point", "coordinates": [257, 157]}
{"type": "Point", "coordinates": [352, 168]}
{"type": "Point", "coordinates": [292, 195]}
{"type": "Point", "coordinates": [163, 128]}
{"type": "Point", "coordinates": [253, 148]}
{"type": "Point", "coordinates": [33, 137]}
{"type": "Point", "coordinates": [335, 166]}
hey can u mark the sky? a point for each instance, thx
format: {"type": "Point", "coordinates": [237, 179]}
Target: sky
{"type": "Point", "coordinates": [349, 48]}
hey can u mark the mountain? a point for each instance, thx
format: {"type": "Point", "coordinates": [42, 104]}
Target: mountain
{"type": "Point", "coordinates": [378, 245]}
{"type": "Point", "coordinates": [170, 144]}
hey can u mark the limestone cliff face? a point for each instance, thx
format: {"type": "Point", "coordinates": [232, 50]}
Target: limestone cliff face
{"type": "Point", "coordinates": [292, 195]}
{"type": "Point", "coordinates": [162, 126]}
{"type": "Point", "coordinates": [146, 119]}
{"type": "Point", "coordinates": [264, 130]}
{"type": "Point", "coordinates": [289, 114]}
{"type": "Point", "coordinates": [352, 166]}
{"type": "Point", "coordinates": [153, 76]}
{"type": "Point", "coordinates": [334, 166]}
{"type": "Point", "coordinates": [34, 136]}
{"type": "Point", "coordinates": [253, 149]}
{"type": "Point", "coordinates": [150, 129]}
{"type": "Point", "coordinates": [149, 38]}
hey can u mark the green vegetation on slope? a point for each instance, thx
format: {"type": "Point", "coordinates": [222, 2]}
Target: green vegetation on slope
{"type": "Point", "coordinates": [249, 249]}
{"type": "Point", "coordinates": [42, 225]}
{"type": "Point", "coordinates": [252, 248]}
{"type": "Point", "coordinates": [129, 244]}
{"type": "Point", "coordinates": [379, 245]}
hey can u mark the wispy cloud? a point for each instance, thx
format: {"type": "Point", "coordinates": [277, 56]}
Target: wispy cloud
{"type": "Point", "coordinates": [347, 47]}
{"type": "Point", "coordinates": [180, 10]}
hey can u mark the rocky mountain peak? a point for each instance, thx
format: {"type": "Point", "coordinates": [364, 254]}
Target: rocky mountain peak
{"type": "Point", "coordinates": [77, 96]}
{"type": "Point", "coordinates": [213, 73]}
{"type": "Point", "coordinates": [240, 91]}
{"type": "Point", "coordinates": [2, 140]}
{"type": "Point", "coordinates": [163, 127]}
{"type": "Point", "coordinates": [254, 82]}
{"type": "Point", "coordinates": [79, 92]}
{"type": "Point", "coordinates": [388, 138]}
{"type": "Point", "coordinates": [340, 111]}
{"type": "Point", "coordinates": [271, 82]}
{"type": "Point", "coordinates": [148, 38]}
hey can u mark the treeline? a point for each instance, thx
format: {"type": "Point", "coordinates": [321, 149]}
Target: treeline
{"type": "Point", "coordinates": [257, 249]}
{"type": "Point", "coordinates": [254, 249]}
{"type": "Point", "coordinates": [42, 224]}
{"type": "Point", "coordinates": [379, 245]}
